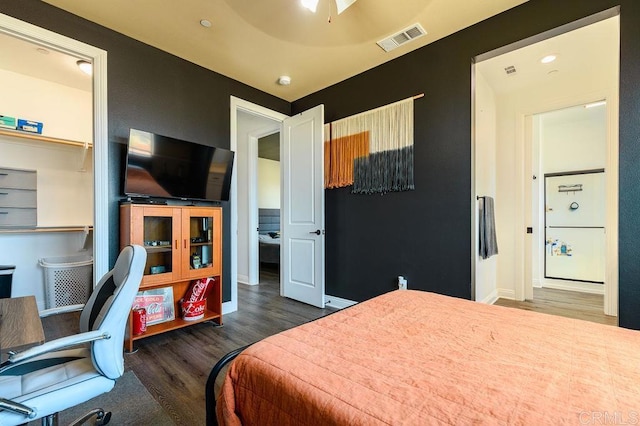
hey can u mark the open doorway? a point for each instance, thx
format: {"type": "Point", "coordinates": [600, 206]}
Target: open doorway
{"type": "Point", "coordinates": [570, 66]}
{"type": "Point", "coordinates": [43, 41]}
{"type": "Point", "coordinates": [268, 203]}
{"type": "Point", "coordinates": [302, 199]}
{"type": "Point", "coordinates": [249, 122]}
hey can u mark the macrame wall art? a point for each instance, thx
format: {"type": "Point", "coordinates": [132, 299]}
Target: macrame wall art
{"type": "Point", "coordinates": [373, 150]}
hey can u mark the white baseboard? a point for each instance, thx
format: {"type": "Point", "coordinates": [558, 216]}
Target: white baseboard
{"type": "Point", "coordinates": [537, 284]}
{"type": "Point", "coordinates": [506, 294]}
{"type": "Point", "coordinates": [244, 279]}
{"type": "Point", "coordinates": [337, 302]}
{"type": "Point", "coordinates": [228, 307]}
{"type": "Point", "coordinates": [491, 298]}
{"type": "Point", "coordinates": [581, 287]}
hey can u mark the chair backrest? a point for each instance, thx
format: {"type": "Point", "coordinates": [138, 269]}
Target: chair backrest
{"type": "Point", "coordinates": [108, 309]}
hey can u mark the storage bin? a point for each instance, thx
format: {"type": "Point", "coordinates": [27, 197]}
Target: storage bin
{"type": "Point", "coordinates": [67, 280]}
{"type": "Point", "coordinates": [29, 126]}
{"type": "Point", "coordinates": [6, 276]}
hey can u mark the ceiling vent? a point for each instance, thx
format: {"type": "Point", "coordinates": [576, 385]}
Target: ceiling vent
{"type": "Point", "coordinates": [402, 37]}
{"type": "Point", "coordinates": [510, 70]}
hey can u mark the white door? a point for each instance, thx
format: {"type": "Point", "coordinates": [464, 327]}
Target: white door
{"type": "Point", "coordinates": [302, 219]}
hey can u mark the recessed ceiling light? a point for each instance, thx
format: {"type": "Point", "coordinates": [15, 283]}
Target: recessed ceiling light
{"type": "Point", "coordinates": [548, 59]}
{"type": "Point", "coordinates": [85, 66]}
{"type": "Point", "coordinates": [205, 23]}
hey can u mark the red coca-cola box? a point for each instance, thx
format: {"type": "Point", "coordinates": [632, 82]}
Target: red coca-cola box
{"type": "Point", "coordinates": [158, 303]}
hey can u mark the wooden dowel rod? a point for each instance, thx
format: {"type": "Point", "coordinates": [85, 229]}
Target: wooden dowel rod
{"type": "Point", "coordinates": [421, 95]}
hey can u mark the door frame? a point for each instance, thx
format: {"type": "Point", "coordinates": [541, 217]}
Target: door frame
{"type": "Point", "coordinates": [530, 166]}
{"type": "Point", "coordinates": [236, 105]}
{"type": "Point", "coordinates": [522, 273]}
{"type": "Point", "coordinates": [49, 39]}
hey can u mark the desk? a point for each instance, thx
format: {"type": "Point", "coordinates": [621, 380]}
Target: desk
{"type": "Point", "coordinates": [20, 323]}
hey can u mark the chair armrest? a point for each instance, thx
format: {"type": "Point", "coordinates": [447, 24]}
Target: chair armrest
{"type": "Point", "coordinates": [16, 407]}
{"type": "Point", "coordinates": [54, 345]}
{"type": "Point", "coordinates": [61, 310]}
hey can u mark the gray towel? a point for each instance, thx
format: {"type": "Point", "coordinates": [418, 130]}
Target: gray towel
{"type": "Point", "coordinates": [487, 225]}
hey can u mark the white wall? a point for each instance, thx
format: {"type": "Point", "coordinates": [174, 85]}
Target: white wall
{"type": "Point", "coordinates": [65, 194]}
{"type": "Point", "coordinates": [268, 184]}
{"type": "Point", "coordinates": [65, 111]}
{"type": "Point", "coordinates": [250, 127]}
{"type": "Point", "coordinates": [574, 139]}
{"type": "Point", "coordinates": [485, 181]}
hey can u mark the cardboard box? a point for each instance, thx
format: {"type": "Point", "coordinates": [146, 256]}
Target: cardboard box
{"type": "Point", "coordinates": [7, 122]}
{"type": "Point", "coordinates": [29, 126]}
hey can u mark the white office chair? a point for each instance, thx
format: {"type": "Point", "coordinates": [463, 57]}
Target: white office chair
{"type": "Point", "coordinates": [47, 379]}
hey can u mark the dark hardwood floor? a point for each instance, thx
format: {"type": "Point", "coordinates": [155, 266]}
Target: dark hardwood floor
{"type": "Point", "coordinates": [175, 366]}
{"type": "Point", "coordinates": [572, 304]}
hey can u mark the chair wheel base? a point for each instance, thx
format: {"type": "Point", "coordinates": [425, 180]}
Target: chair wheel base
{"type": "Point", "coordinates": [102, 417]}
{"type": "Point", "coordinates": [106, 418]}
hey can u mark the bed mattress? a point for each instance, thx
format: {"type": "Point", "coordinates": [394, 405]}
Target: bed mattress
{"type": "Point", "coordinates": [418, 358]}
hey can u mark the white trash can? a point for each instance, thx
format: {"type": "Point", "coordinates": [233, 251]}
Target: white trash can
{"type": "Point", "coordinates": [67, 280]}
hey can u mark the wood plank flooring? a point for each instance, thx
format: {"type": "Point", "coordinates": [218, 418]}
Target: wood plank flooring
{"type": "Point", "coordinates": [572, 304]}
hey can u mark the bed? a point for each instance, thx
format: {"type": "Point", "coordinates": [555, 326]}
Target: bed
{"type": "Point", "coordinates": [418, 358]}
{"type": "Point", "coordinates": [269, 235]}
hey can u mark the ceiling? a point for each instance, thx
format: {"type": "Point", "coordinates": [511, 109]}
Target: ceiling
{"type": "Point", "coordinates": [26, 58]}
{"type": "Point", "coordinates": [256, 42]}
{"type": "Point", "coordinates": [585, 51]}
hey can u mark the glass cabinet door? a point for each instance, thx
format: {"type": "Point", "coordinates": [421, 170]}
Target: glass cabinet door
{"type": "Point", "coordinates": [158, 237]}
{"type": "Point", "coordinates": [202, 242]}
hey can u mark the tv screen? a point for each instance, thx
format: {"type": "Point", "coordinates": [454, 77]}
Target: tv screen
{"type": "Point", "coordinates": [165, 167]}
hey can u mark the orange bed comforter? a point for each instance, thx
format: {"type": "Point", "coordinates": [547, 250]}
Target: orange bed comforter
{"type": "Point", "coordinates": [418, 358]}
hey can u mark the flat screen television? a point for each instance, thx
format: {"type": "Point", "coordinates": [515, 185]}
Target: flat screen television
{"type": "Point", "coordinates": [163, 167]}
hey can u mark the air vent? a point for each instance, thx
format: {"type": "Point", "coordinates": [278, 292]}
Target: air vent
{"type": "Point", "coordinates": [510, 70]}
{"type": "Point", "coordinates": [402, 37]}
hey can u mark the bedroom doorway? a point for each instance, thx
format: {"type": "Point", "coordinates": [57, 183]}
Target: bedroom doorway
{"type": "Point", "coordinates": [512, 85]}
{"type": "Point", "coordinates": [305, 273]}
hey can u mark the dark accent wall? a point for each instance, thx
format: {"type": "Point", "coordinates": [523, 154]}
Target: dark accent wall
{"type": "Point", "coordinates": [425, 234]}
{"type": "Point", "coordinates": [151, 90]}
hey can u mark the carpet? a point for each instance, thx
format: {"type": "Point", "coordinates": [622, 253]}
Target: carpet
{"type": "Point", "coordinates": [129, 401]}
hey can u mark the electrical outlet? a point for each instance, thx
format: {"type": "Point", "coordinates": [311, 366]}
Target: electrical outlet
{"type": "Point", "coordinates": [402, 282]}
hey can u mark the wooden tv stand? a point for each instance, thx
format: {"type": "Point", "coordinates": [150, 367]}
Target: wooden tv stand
{"type": "Point", "coordinates": [183, 244]}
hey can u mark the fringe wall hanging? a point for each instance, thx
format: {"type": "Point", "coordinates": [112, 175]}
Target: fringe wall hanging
{"type": "Point", "coordinates": [373, 151]}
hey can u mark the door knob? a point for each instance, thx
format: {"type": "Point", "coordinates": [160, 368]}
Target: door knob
{"type": "Point", "coordinates": [317, 232]}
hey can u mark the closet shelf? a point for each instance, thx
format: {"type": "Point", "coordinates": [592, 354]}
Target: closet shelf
{"type": "Point", "coordinates": [45, 229]}
{"type": "Point", "coordinates": [38, 137]}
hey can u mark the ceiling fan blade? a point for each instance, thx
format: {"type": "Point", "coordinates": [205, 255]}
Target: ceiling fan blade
{"type": "Point", "coordinates": [343, 5]}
